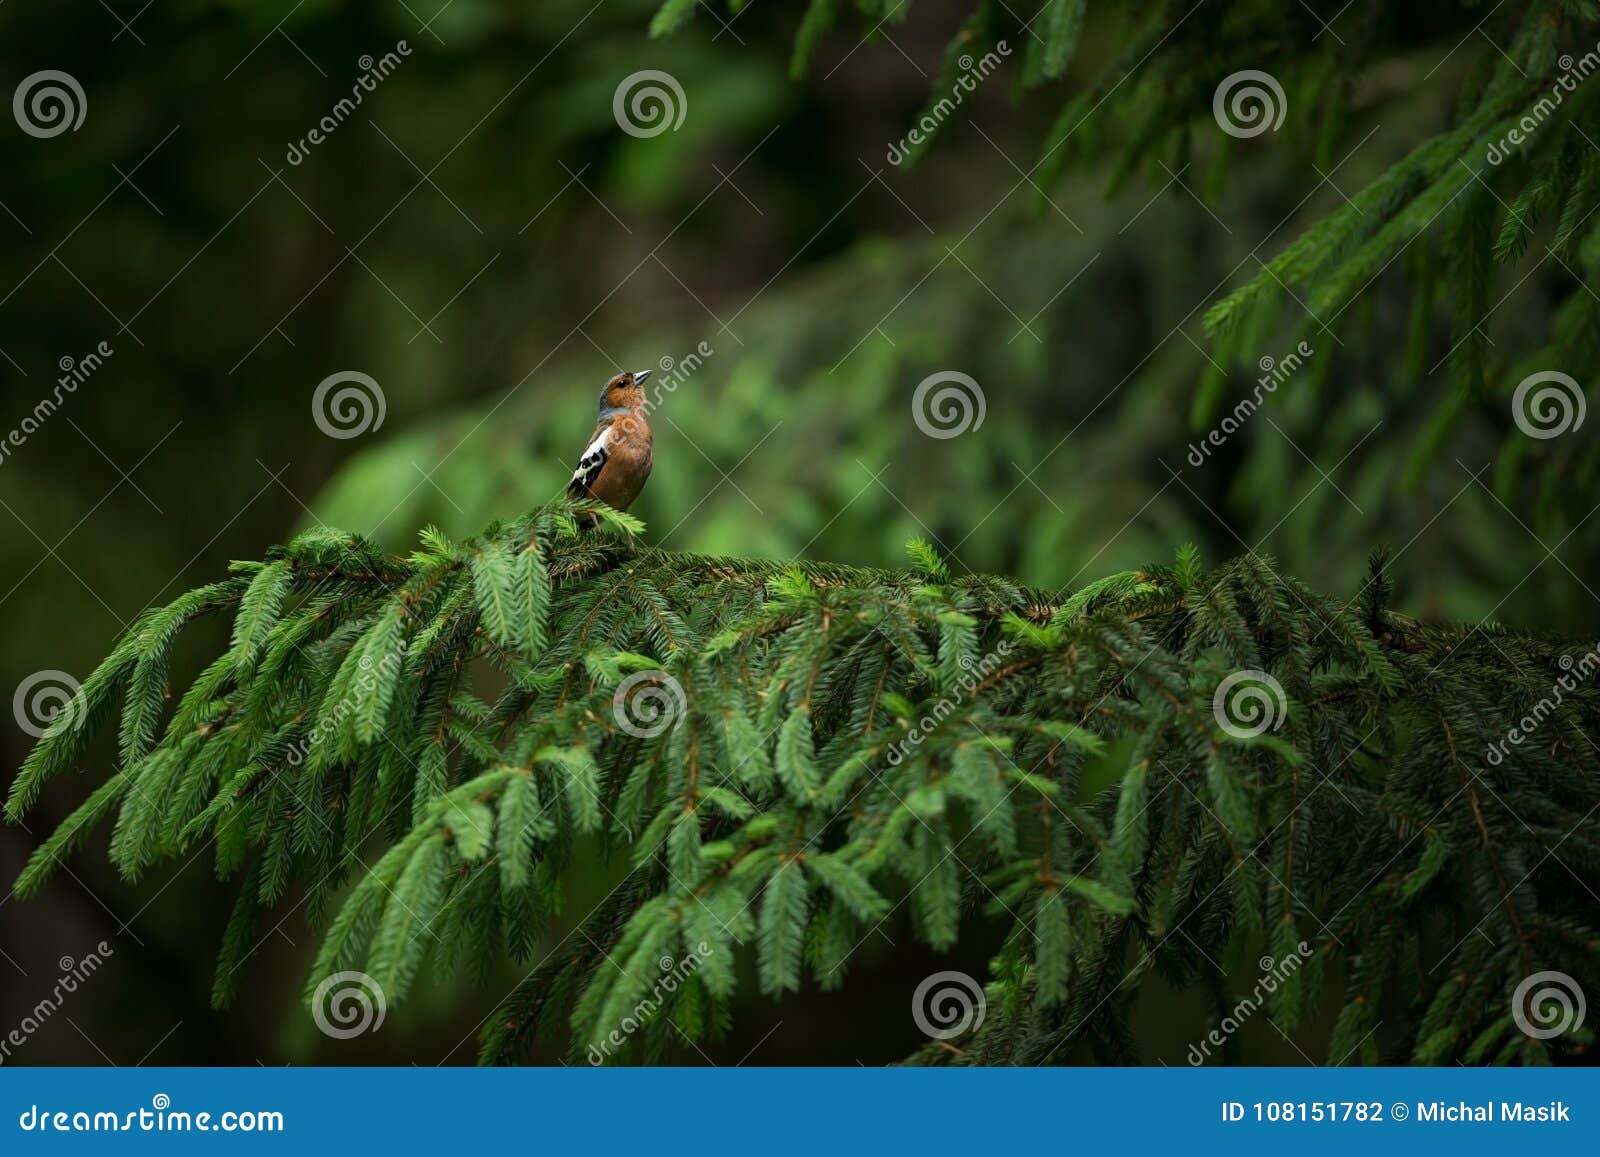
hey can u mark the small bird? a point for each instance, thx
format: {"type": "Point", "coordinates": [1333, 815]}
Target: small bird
{"type": "Point", "coordinates": [617, 461]}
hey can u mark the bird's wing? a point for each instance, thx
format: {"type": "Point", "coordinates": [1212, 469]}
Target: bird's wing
{"type": "Point", "coordinates": [590, 465]}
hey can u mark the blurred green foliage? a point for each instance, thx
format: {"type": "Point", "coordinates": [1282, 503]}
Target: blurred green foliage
{"type": "Point", "coordinates": [482, 239]}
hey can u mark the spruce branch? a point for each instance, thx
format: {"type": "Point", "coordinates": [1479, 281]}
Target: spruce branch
{"type": "Point", "coordinates": [782, 755]}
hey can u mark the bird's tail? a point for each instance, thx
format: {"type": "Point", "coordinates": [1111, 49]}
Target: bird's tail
{"type": "Point", "coordinates": [584, 521]}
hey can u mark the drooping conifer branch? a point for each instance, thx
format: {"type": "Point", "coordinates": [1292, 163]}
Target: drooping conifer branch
{"type": "Point", "coordinates": [1169, 771]}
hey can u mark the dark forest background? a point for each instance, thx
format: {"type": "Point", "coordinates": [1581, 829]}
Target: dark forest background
{"type": "Point", "coordinates": [482, 240]}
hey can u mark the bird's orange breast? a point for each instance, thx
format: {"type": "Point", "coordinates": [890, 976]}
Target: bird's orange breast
{"type": "Point", "coordinates": [630, 456]}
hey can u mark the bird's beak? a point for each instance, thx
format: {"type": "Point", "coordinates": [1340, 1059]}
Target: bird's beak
{"type": "Point", "coordinates": [639, 376]}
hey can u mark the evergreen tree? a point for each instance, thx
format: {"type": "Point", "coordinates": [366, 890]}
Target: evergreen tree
{"type": "Point", "coordinates": [1169, 771]}
{"type": "Point", "coordinates": [1450, 230]}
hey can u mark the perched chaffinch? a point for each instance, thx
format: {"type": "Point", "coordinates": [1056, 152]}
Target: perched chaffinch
{"type": "Point", "coordinates": [617, 460]}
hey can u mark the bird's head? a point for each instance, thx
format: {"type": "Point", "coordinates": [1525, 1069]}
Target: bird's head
{"type": "Point", "coordinates": [623, 392]}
